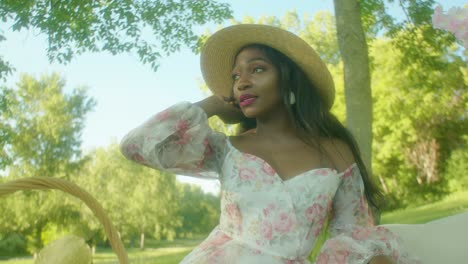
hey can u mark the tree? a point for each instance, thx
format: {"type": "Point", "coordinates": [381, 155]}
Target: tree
{"type": "Point", "coordinates": [148, 28]}
{"type": "Point", "coordinates": [5, 130]}
{"type": "Point", "coordinates": [419, 121]}
{"type": "Point", "coordinates": [45, 125]}
{"type": "Point", "coordinates": [199, 211]}
{"type": "Point", "coordinates": [353, 48]}
{"type": "Point", "coordinates": [367, 18]}
{"type": "Point", "coordinates": [140, 201]}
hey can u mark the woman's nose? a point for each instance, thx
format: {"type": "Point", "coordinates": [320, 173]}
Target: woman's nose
{"type": "Point", "coordinates": [243, 82]}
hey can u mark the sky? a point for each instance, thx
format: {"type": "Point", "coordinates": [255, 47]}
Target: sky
{"type": "Point", "coordinates": [127, 91]}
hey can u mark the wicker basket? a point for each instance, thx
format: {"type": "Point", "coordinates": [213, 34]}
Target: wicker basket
{"type": "Point", "coordinates": [45, 183]}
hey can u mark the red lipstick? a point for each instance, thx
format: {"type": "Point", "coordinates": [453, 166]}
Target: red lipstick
{"type": "Point", "coordinates": [247, 99]}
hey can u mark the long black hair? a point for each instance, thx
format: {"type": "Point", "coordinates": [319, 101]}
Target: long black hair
{"type": "Point", "coordinates": [311, 117]}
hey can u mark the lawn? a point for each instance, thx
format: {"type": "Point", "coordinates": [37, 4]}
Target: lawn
{"type": "Point", "coordinates": [163, 252]}
{"type": "Point", "coordinates": [172, 252]}
{"type": "Point", "coordinates": [451, 205]}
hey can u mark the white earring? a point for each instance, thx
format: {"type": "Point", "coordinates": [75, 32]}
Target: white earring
{"type": "Point", "coordinates": [292, 98]}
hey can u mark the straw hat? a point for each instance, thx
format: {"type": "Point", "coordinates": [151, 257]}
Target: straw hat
{"type": "Point", "coordinates": [218, 54]}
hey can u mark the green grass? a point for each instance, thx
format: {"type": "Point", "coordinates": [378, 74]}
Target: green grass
{"type": "Point", "coordinates": [165, 252]}
{"type": "Point", "coordinates": [451, 205]}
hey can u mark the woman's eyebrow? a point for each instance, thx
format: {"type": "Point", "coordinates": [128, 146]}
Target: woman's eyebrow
{"type": "Point", "coordinates": [253, 60]}
{"type": "Point", "coordinates": [258, 58]}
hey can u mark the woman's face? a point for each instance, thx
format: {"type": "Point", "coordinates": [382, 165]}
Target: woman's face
{"type": "Point", "coordinates": [256, 83]}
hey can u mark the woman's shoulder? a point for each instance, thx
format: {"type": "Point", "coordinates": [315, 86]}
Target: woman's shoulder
{"type": "Point", "coordinates": [339, 152]}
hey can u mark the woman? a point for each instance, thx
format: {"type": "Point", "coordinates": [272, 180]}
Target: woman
{"type": "Point", "coordinates": [294, 167]}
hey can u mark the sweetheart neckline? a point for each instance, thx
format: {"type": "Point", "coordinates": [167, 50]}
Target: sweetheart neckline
{"type": "Point", "coordinates": [232, 147]}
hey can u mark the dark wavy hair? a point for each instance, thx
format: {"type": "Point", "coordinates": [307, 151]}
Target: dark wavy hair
{"type": "Point", "coordinates": [311, 117]}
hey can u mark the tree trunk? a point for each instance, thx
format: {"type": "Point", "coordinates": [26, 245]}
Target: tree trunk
{"type": "Point", "coordinates": [353, 49]}
{"type": "Point", "coordinates": [38, 240]}
{"type": "Point", "coordinates": [142, 241]}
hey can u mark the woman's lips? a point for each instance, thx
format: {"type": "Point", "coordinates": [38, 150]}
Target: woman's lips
{"type": "Point", "coordinates": [247, 101]}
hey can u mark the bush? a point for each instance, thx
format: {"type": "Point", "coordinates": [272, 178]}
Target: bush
{"type": "Point", "coordinates": [12, 245]}
{"type": "Point", "coordinates": [456, 171]}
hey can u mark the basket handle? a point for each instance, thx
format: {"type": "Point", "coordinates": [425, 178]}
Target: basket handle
{"type": "Point", "coordinates": [44, 183]}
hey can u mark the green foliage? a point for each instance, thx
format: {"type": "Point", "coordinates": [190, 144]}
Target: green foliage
{"type": "Point", "coordinates": [148, 28]}
{"type": "Point", "coordinates": [5, 67]}
{"type": "Point", "coordinates": [44, 126]}
{"type": "Point", "coordinates": [199, 211]}
{"type": "Point", "coordinates": [457, 168]}
{"type": "Point", "coordinates": [12, 244]}
{"type": "Point", "coordinates": [137, 199]}
{"type": "Point", "coordinates": [413, 35]}
{"type": "Point", "coordinates": [5, 129]}
{"type": "Point", "coordinates": [419, 118]}
{"type": "Point", "coordinates": [375, 16]}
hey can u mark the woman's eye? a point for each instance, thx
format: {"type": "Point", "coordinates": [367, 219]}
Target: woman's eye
{"type": "Point", "coordinates": [235, 77]}
{"type": "Point", "coordinates": [258, 69]}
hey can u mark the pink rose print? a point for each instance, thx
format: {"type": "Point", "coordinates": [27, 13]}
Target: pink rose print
{"type": "Point", "coordinates": [161, 116]}
{"type": "Point", "coordinates": [294, 261]}
{"type": "Point", "coordinates": [340, 257]}
{"type": "Point", "coordinates": [138, 158]}
{"type": "Point", "coordinates": [182, 125]}
{"type": "Point", "coordinates": [267, 169]}
{"type": "Point", "coordinates": [246, 174]}
{"type": "Point", "coordinates": [181, 128]}
{"type": "Point", "coordinates": [267, 231]}
{"type": "Point", "coordinates": [250, 157]}
{"type": "Point", "coordinates": [322, 172]}
{"type": "Point", "coordinates": [257, 252]}
{"type": "Point", "coordinates": [381, 229]}
{"type": "Point", "coordinates": [322, 259]}
{"type": "Point", "coordinates": [336, 252]}
{"type": "Point", "coordinates": [363, 203]}
{"type": "Point", "coordinates": [283, 223]}
{"type": "Point", "coordinates": [314, 211]}
{"type": "Point", "coordinates": [235, 215]}
{"type": "Point", "coordinates": [218, 240]}
{"type": "Point", "coordinates": [361, 233]}
{"type": "Point", "coordinates": [183, 139]}
{"type": "Point", "coordinates": [208, 148]}
{"type": "Point", "coordinates": [348, 172]}
{"type": "Point", "coordinates": [131, 148]}
{"type": "Point", "coordinates": [269, 209]}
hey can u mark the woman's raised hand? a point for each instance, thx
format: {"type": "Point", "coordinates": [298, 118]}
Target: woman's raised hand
{"type": "Point", "coordinates": [226, 111]}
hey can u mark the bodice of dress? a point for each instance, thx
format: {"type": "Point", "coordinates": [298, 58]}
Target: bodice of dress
{"type": "Point", "coordinates": [264, 219]}
{"type": "Point", "coordinates": [280, 217]}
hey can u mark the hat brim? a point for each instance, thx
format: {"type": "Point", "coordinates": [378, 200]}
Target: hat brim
{"type": "Point", "coordinates": [218, 55]}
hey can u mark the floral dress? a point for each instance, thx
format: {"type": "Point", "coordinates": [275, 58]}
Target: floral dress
{"type": "Point", "coordinates": [264, 219]}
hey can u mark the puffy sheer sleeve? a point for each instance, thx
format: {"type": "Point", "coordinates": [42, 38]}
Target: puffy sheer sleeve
{"type": "Point", "coordinates": [354, 237]}
{"type": "Point", "coordinates": [177, 140]}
